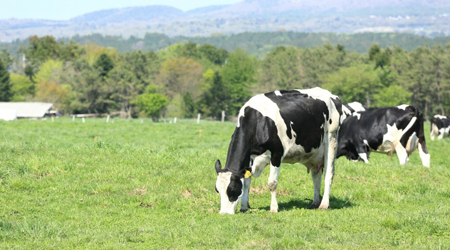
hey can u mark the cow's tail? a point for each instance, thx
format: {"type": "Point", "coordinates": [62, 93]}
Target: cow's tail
{"type": "Point", "coordinates": [419, 130]}
{"type": "Point", "coordinates": [424, 155]}
{"type": "Point", "coordinates": [434, 131]}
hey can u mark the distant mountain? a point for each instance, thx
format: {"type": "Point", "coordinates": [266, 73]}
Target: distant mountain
{"type": "Point", "coordinates": [132, 14]}
{"type": "Point", "coordinates": [424, 17]}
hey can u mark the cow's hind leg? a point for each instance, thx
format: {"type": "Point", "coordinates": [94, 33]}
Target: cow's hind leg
{"type": "Point", "coordinates": [330, 155]}
{"type": "Point", "coordinates": [273, 183]}
{"type": "Point", "coordinates": [401, 153]}
{"type": "Point", "coordinates": [316, 174]}
{"type": "Point", "coordinates": [424, 155]}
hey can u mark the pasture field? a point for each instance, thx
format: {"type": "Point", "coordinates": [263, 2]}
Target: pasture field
{"type": "Point", "coordinates": [127, 184]}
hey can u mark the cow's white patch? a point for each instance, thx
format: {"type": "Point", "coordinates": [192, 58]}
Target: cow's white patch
{"type": "Point", "coordinates": [363, 157]}
{"type": "Point", "coordinates": [403, 106]}
{"type": "Point", "coordinates": [273, 183]}
{"type": "Point", "coordinates": [441, 133]}
{"type": "Point", "coordinates": [412, 143]}
{"type": "Point", "coordinates": [278, 93]}
{"type": "Point", "coordinates": [401, 154]}
{"type": "Point", "coordinates": [356, 106]}
{"type": "Point", "coordinates": [365, 142]}
{"type": "Point", "coordinates": [424, 157]}
{"type": "Point", "coordinates": [222, 182]}
{"type": "Point", "coordinates": [440, 116]}
{"type": "Point", "coordinates": [346, 111]}
{"type": "Point", "coordinates": [357, 114]}
{"type": "Point", "coordinates": [260, 162]}
{"type": "Point", "coordinates": [434, 131]}
{"type": "Point", "coordinates": [393, 136]}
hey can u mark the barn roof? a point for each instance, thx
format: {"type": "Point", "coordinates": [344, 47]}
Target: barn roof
{"type": "Point", "coordinates": [27, 109]}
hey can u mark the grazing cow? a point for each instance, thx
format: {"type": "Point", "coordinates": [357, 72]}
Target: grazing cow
{"type": "Point", "coordinates": [383, 130]}
{"type": "Point", "coordinates": [440, 126]}
{"type": "Point", "coordinates": [350, 108]}
{"type": "Point", "coordinates": [281, 126]}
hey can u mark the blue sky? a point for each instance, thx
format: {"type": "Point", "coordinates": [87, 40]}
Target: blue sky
{"type": "Point", "coordinates": [66, 9]}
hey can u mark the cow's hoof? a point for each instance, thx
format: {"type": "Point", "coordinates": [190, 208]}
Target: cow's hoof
{"type": "Point", "coordinates": [323, 207]}
{"type": "Point", "coordinates": [313, 206]}
{"type": "Point", "coordinates": [274, 210]}
{"type": "Point", "coordinates": [243, 210]}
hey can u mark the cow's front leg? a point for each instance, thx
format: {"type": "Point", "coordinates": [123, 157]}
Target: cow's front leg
{"type": "Point", "coordinates": [273, 182]}
{"type": "Point", "coordinates": [316, 174]}
{"type": "Point", "coordinates": [245, 196]}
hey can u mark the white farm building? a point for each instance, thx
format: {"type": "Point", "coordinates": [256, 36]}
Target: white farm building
{"type": "Point", "coordinates": [27, 110]}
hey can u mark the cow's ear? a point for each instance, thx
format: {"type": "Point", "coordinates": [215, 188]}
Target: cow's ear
{"type": "Point", "coordinates": [218, 166]}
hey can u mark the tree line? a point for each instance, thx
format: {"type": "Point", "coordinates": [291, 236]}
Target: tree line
{"type": "Point", "coordinates": [184, 79]}
{"type": "Point", "coordinates": [254, 43]}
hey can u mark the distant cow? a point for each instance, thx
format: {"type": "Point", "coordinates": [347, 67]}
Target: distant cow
{"type": "Point", "coordinates": [440, 126]}
{"type": "Point", "coordinates": [281, 126]}
{"type": "Point", "coordinates": [350, 108]}
{"type": "Point", "coordinates": [383, 130]}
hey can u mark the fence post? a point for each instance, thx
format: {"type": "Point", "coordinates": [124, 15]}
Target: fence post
{"type": "Point", "coordinates": [223, 115]}
{"type": "Point", "coordinates": [198, 118]}
{"type": "Point", "coordinates": [107, 119]}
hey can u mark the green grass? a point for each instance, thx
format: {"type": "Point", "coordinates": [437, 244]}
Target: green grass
{"type": "Point", "coordinates": [151, 185]}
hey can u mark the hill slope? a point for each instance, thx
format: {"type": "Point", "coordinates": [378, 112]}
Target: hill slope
{"type": "Point", "coordinates": [423, 17]}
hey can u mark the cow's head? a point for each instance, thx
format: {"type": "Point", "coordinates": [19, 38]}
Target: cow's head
{"type": "Point", "coordinates": [230, 188]}
{"type": "Point", "coordinates": [347, 149]}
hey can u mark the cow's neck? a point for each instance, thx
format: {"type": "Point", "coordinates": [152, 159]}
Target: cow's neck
{"type": "Point", "coordinates": [238, 157]}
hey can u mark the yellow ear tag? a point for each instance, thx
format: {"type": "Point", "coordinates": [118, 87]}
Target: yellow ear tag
{"type": "Point", "coordinates": [247, 174]}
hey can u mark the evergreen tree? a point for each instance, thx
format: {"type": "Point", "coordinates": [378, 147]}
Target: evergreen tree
{"type": "Point", "coordinates": [104, 64]}
{"type": "Point", "coordinates": [5, 85]}
{"type": "Point", "coordinates": [215, 98]}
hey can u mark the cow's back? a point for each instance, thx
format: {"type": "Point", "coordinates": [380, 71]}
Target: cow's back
{"type": "Point", "coordinates": [295, 119]}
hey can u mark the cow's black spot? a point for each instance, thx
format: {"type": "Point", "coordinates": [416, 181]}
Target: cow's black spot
{"type": "Point", "coordinates": [303, 115]}
{"type": "Point", "coordinates": [234, 189]}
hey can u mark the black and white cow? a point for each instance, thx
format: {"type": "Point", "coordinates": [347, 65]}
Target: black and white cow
{"type": "Point", "coordinates": [281, 126]}
{"type": "Point", "coordinates": [383, 130]}
{"type": "Point", "coordinates": [440, 126]}
{"type": "Point", "coordinates": [350, 108]}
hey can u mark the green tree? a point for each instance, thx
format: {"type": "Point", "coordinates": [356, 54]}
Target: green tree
{"type": "Point", "coordinates": [152, 103]}
{"type": "Point", "coordinates": [188, 105]}
{"type": "Point", "coordinates": [357, 83]}
{"type": "Point", "coordinates": [178, 76]}
{"type": "Point", "coordinates": [217, 56]}
{"type": "Point", "coordinates": [280, 69]}
{"type": "Point", "coordinates": [124, 87]}
{"type": "Point", "coordinates": [22, 88]}
{"type": "Point", "coordinates": [391, 96]}
{"type": "Point", "coordinates": [238, 76]}
{"type": "Point", "coordinates": [41, 49]}
{"type": "Point", "coordinates": [324, 60]}
{"type": "Point", "coordinates": [5, 58]}
{"type": "Point", "coordinates": [215, 96]}
{"type": "Point", "coordinates": [89, 92]}
{"type": "Point", "coordinates": [104, 64]}
{"type": "Point", "coordinates": [5, 84]}
{"type": "Point", "coordinates": [29, 72]}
